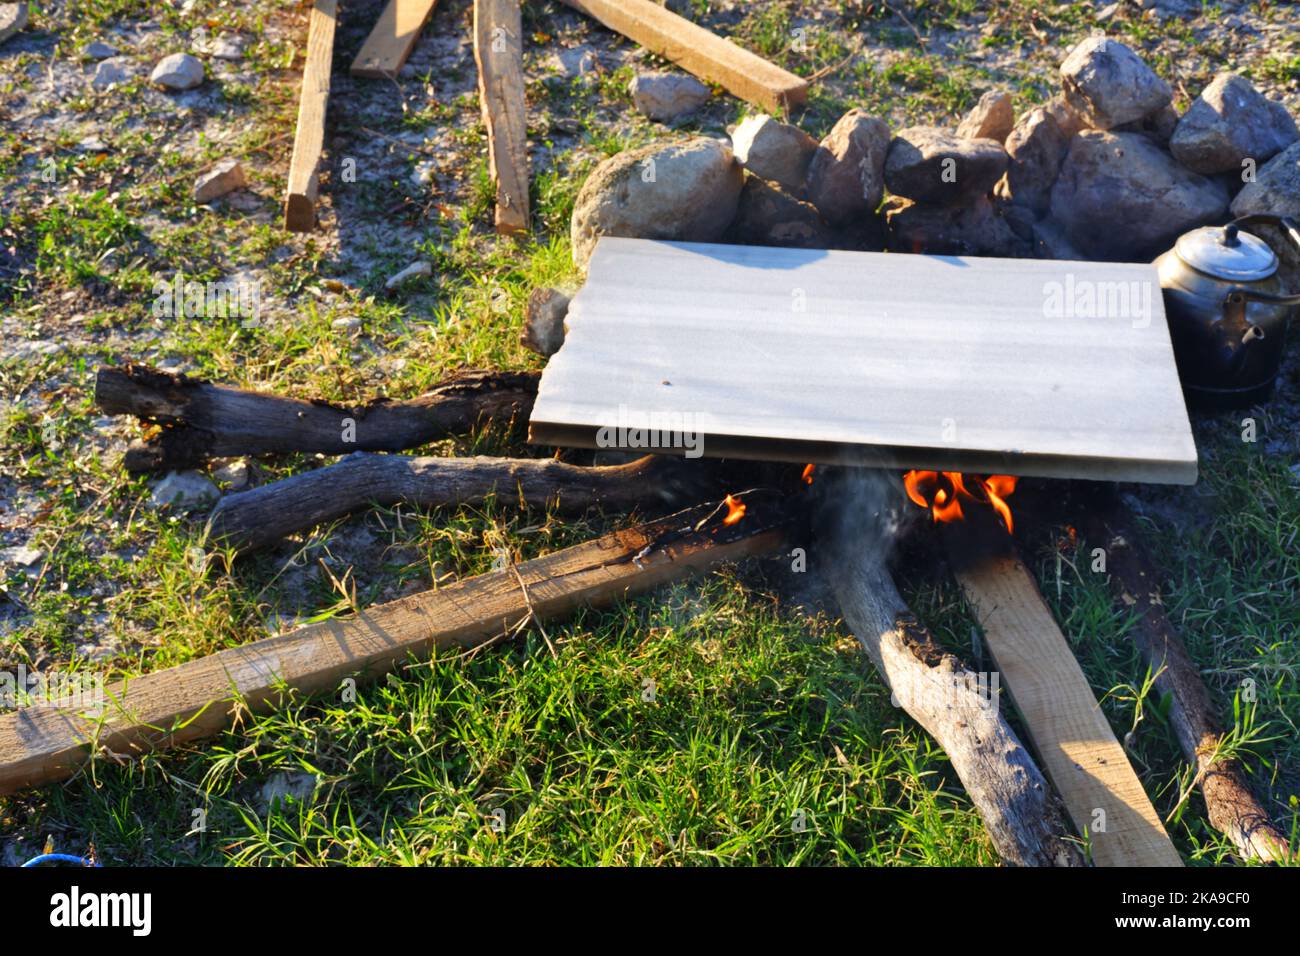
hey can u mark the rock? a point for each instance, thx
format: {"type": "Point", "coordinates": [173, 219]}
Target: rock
{"type": "Point", "coordinates": [348, 323]}
{"type": "Point", "coordinates": [13, 17]}
{"type": "Point", "coordinates": [577, 62]}
{"type": "Point", "coordinates": [776, 151]}
{"type": "Point", "coordinates": [686, 190]}
{"type": "Point", "coordinates": [184, 491]}
{"type": "Point", "coordinates": [1158, 127]}
{"type": "Point", "coordinates": [179, 71]}
{"type": "Point", "coordinates": [1067, 117]}
{"type": "Point", "coordinates": [929, 164]}
{"type": "Point", "coordinates": [973, 229]}
{"type": "Point", "coordinates": [1276, 191]}
{"type": "Point", "coordinates": [768, 216]}
{"type": "Point", "coordinates": [21, 556]}
{"type": "Point", "coordinates": [286, 788]}
{"type": "Point", "coordinates": [1050, 242]}
{"type": "Point", "coordinates": [1035, 149]}
{"type": "Point", "coordinates": [1107, 12]}
{"type": "Point", "coordinates": [543, 330]}
{"type": "Point", "coordinates": [1120, 197]}
{"type": "Point", "coordinates": [846, 177]}
{"type": "Point", "coordinates": [1109, 84]}
{"type": "Point", "coordinates": [1229, 122]}
{"type": "Point", "coordinates": [410, 272]}
{"type": "Point", "coordinates": [234, 474]}
{"type": "Point", "coordinates": [991, 118]}
{"type": "Point", "coordinates": [111, 72]}
{"type": "Point", "coordinates": [98, 50]}
{"type": "Point", "coordinates": [225, 177]}
{"type": "Point", "coordinates": [665, 97]}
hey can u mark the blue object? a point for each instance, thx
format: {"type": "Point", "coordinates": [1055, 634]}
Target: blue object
{"type": "Point", "coordinates": [57, 858]}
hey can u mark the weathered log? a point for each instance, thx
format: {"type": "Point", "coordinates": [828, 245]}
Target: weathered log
{"type": "Point", "coordinates": [1023, 817]}
{"type": "Point", "coordinates": [1231, 805]}
{"type": "Point", "coordinates": [200, 421]}
{"type": "Point", "coordinates": [262, 516]}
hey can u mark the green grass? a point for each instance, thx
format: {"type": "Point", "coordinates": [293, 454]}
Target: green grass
{"type": "Point", "coordinates": [769, 739]}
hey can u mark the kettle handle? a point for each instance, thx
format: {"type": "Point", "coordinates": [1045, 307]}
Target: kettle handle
{"type": "Point", "coordinates": [1285, 223]}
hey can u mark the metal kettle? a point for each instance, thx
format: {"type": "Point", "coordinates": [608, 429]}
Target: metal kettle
{"type": "Point", "coordinates": [1226, 311]}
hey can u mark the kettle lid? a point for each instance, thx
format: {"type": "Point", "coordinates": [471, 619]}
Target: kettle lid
{"type": "Point", "coordinates": [1224, 252]}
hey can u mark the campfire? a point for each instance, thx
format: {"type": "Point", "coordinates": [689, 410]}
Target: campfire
{"type": "Point", "coordinates": [942, 492]}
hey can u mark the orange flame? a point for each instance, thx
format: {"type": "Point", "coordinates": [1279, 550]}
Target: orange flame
{"type": "Point", "coordinates": [735, 510]}
{"type": "Point", "coordinates": [941, 492]}
{"type": "Point", "coordinates": [807, 475]}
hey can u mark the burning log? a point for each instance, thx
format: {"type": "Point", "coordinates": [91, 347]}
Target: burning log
{"type": "Point", "coordinates": [1022, 816]}
{"type": "Point", "coordinates": [200, 421]}
{"type": "Point", "coordinates": [1233, 809]}
{"type": "Point", "coordinates": [44, 743]}
{"type": "Point", "coordinates": [262, 516]}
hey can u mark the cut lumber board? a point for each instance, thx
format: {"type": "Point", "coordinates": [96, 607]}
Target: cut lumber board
{"type": "Point", "coordinates": [392, 39]}
{"type": "Point", "coordinates": [875, 359]}
{"type": "Point", "coordinates": [498, 51]}
{"type": "Point", "coordinates": [1065, 724]}
{"type": "Point", "coordinates": [700, 52]}
{"type": "Point", "coordinates": [309, 140]}
{"type": "Point", "coordinates": [46, 742]}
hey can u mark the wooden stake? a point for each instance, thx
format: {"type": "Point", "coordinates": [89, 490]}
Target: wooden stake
{"type": "Point", "coordinates": [200, 421]}
{"type": "Point", "coordinates": [1073, 739]}
{"type": "Point", "coordinates": [498, 50]}
{"type": "Point", "coordinates": [309, 141]}
{"type": "Point", "coordinates": [1022, 816]}
{"type": "Point", "coordinates": [43, 743]}
{"type": "Point", "coordinates": [392, 39]}
{"type": "Point", "coordinates": [700, 52]}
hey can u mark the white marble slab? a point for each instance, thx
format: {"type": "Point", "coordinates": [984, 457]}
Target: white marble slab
{"type": "Point", "coordinates": [971, 364]}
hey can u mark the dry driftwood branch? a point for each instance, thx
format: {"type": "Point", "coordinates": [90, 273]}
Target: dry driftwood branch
{"type": "Point", "coordinates": [1232, 807]}
{"type": "Point", "coordinates": [262, 516]}
{"type": "Point", "coordinates": [1023, 817]}
{"type": "Point", "coordinates": [201, 421]}
{"type": "Point", "coordinates": [49, 742]}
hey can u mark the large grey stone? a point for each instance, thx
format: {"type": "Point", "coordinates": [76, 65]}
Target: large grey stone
{"type": "Point", "coordinates": [1229, 122]}
{"type": "Point", "coordinates": [664, 97]}
{"type": "Point", "coordinates": [1035, 148]}
{"type": "Point", "coordinates": [772, 150]}
{"type": "Point", "coordinates": [768, 216]}
{"type": "Point", "coordinates": [990, 118]}
{"type": "Point", "coordinates": [973, 229]}
{"type": "Point", "coordinates": [1109, 84]}
{"type": "Point", "coordinates": [932, 165]}
{"type": "Point", "coordinates": [686, 190]}
{"type": "Point", "coordinates": [111, 72]}
{"type": "Point", "coordinates": [179, 71]}
{"type": "Point", "coordinates": [1120, 197]}
{"type": "Point", "coordinates": [1276, 191]}
{"type": "Point", "coordinates": [846, 178]}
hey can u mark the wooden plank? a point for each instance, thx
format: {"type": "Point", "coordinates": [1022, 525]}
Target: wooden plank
{"type": "Point", "coordinates": [392, 39]}
{"type": "Point", "coordinates": [498, 51]}
{"type": "Point", "coordinates": [309, 141]}
{"type": "Point", "coordinates": [886, 360]}
{"type": "Point", "coordinates": [46, 742]}
{"type": "Point", "coordinates": [700, 52]}
{"type": "Point", "coordinates": [1074, 741]}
